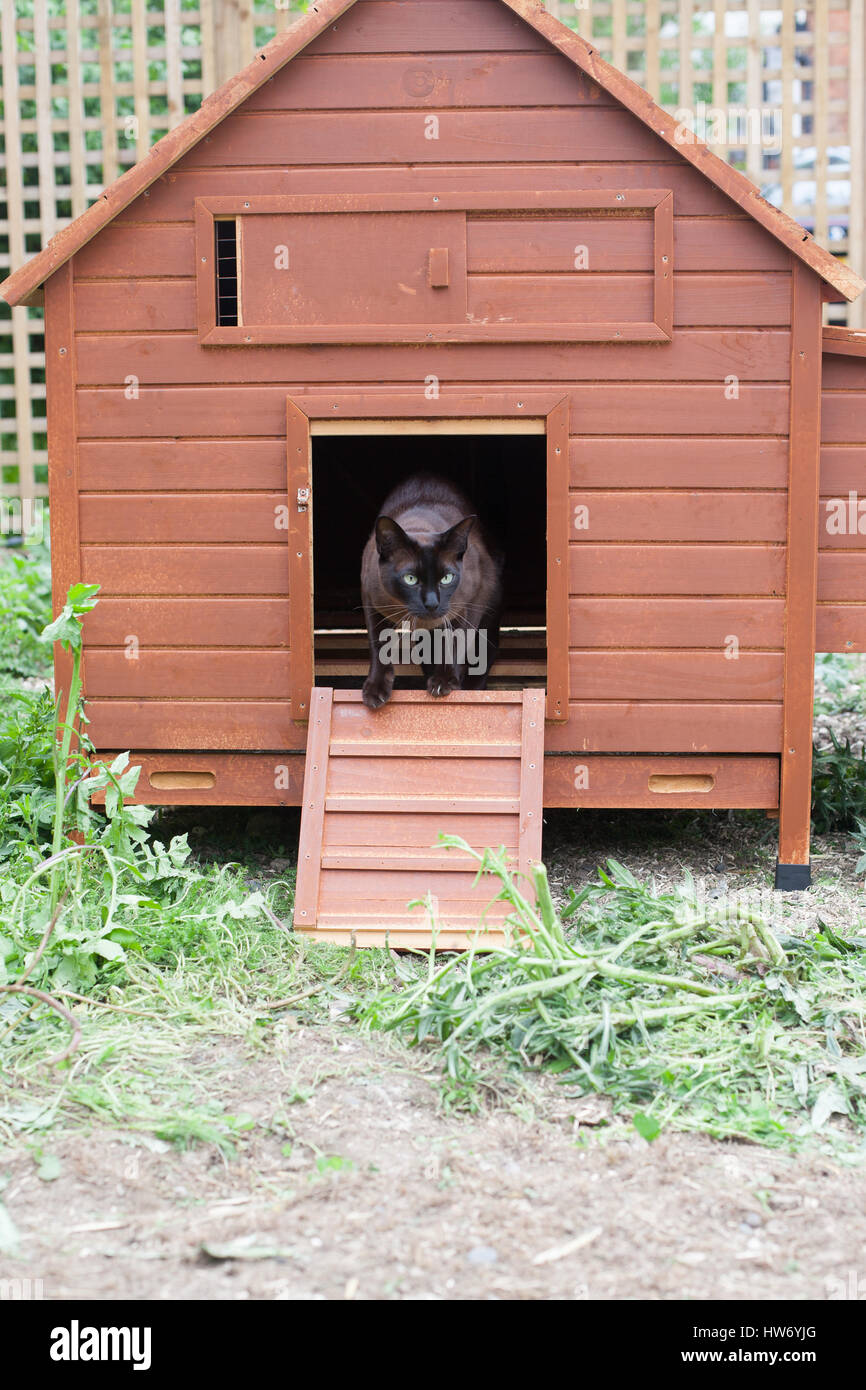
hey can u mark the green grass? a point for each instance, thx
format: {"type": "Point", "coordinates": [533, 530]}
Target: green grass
{"type": "Point", "coordinates": [150, 957]}
{"type": "Point", "coordinates": [25, 609]}
{"type": "Point", "coordinates": [839, 686]}
{"type": "Point", "coordinates": [688, 1015]}
{"type": "Point", "coordinates": [838, 787]}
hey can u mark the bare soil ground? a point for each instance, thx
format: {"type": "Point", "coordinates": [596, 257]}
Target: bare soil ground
{"type": "Point", "coordinates": [381, 1196]}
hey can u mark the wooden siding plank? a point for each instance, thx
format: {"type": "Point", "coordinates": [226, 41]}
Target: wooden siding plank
{"type": "Point", "coordinates": [723, 300]}
{"type": "Point", "coordinates": [841, 627]}
{"type": "Point", "coordinates": [188, 622]}
{"type": "Point", "coordinates": [193, 724]}
{"type": "Point", "coordinates": [205, 516]}
{"type": "Point", "coordinates": [701, 300]}
{"type": "Point", "coordinates": [557, 299]}
{"type": "Point", "coordinates": [843, 469]}
{"type": "Point", "coordinates": [668, 726]}
{"type": "Point", "coordinates": [543, 135]}
{"type": "Point", "coordinates": [171, 198]}
{"type": "Point", "coordinates": [675, 675]}
{"type": "Point", "coordinates": [178, 464]}
{"type": "Point", "coordinates": [842, 576]}
{"type": "Point", "coordinates": [842, 417]}
{"type": "Point", "coordinates": [699, 461]}
{"type": "Point", "coordinates": [442, 80]}
{"type": "Point", "coordinates": [191, 569]}
{"type": "Point", "coordinates": [695, 622]}
{"type": "Point", "coordinates": [239, 779]}
{"type": "Point", "coordinates": [138, 252]}
{"type": "Point", "coordinates": [674, 516]}
{"type": "Point", "coordinates": [613, 782]}
{"type": "Point", "coordinates": [178, 674]}
{"type": "Point", "coordinates": [695, 354]}
{"type": "Point", "coordinates": [841, 371]}
{"type": "Point", "coordinates": [430, 26]}
{"type": "Point", "coordinates": [615, 568]}
{"type": "Point", "coordinates": [597, 409]}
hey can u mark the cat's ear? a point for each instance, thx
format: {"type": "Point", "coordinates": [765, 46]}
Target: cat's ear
{"type": "Point", "coordinates": [390, 537]}
{"type": "Point", "coordinates": [455, 541]}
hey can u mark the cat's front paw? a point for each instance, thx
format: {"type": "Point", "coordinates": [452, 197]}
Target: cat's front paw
{"type": "Point", "coordinates": [441, 685]}
{"type": "Point", "coordinates": [376, 692]}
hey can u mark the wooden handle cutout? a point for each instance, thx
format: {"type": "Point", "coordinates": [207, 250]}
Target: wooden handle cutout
{"type": "Point", "coordinates": [168, 781]}
{"type": "Point", "coordinates": [681, 782]}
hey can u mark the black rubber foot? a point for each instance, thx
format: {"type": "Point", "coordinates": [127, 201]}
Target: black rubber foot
{"type": "Point", "coordinates": [791, 878]}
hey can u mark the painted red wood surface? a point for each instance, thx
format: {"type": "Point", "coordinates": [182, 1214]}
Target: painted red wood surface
{"type": "Point", "coordinates": [271, 779]}
{"type": "Point", "coordinates": [678, 451]}
{"type": "Point", "coordinates": [841, 625]}
{"type": "Point", "coordinates": [418, 769]}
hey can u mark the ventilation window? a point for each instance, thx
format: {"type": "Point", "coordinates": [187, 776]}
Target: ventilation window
{"type": "Point", "coordinates": [226, 247]}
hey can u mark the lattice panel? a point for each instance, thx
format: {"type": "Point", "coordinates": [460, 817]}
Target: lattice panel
{"type": "Point", "coordinates": [800, 66]}
{"type": "Point", "coordinates": [88, 87]}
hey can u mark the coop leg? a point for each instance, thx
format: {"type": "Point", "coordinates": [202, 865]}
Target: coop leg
{"type": "Point", "coordinates": [792, 867]}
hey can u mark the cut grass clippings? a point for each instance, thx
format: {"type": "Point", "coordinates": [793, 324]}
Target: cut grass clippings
{"type": "Point", "coordinates": [688, 1016]}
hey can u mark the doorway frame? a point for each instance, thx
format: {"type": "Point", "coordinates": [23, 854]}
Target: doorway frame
{"type": "Point", "coordinates": [451, 412]}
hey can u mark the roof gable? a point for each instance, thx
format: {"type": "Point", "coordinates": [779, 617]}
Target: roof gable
{"type": "Point", "coordinates": [221, 103]}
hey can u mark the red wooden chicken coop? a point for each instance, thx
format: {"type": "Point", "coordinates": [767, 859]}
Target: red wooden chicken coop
{"type": "Point", "coordinates": [447, 232]}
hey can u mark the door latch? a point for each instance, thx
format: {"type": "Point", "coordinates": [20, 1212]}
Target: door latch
{"type": "Point", "coordinates": [437, 268]}
{"type": "Point", "coordinates": [303, 498]}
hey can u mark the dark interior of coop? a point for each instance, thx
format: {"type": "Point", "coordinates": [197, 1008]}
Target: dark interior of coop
{"type": "Point", "coordinates": [504, 477]}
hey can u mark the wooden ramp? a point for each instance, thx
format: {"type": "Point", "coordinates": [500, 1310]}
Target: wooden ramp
{"type": "Point", "coordinates": [379, 787]}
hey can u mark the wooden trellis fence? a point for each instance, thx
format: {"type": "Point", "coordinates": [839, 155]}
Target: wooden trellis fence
{"type": "Point", "coordinates": [88, 85]}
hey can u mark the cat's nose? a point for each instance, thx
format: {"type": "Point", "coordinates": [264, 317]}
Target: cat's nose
{"type": "Point", "coordinates": [431, 601]}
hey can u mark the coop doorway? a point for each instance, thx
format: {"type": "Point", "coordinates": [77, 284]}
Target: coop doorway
{"type": "Point", "coordinates": [515, 473]}
{"type": "Point", "coordinates": [503, 476]}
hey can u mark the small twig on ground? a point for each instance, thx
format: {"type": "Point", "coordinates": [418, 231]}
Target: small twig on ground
{"type": "Point", "coordinates": [59, 1008]}
{"type": "Point", "coordinates": [317, 987]}
{"type": "Point", "coordinates": [101, 1004]}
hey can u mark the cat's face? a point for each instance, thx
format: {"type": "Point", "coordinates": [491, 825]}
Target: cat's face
{"type": "Point", "coordinates": [422, 579]}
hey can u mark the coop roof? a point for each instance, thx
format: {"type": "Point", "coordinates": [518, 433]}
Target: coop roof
{"type": "Point", "coordinates": [26, 280]}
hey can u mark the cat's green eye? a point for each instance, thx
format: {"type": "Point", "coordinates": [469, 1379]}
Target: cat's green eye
{"type": "Point", "coordinates": [447, 579]}
{"type": "Point", "coordinates": [410, 579]}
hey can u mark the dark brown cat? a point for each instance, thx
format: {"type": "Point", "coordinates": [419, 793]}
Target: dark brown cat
{"type": "Point", "coordinates": [431, 590]}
